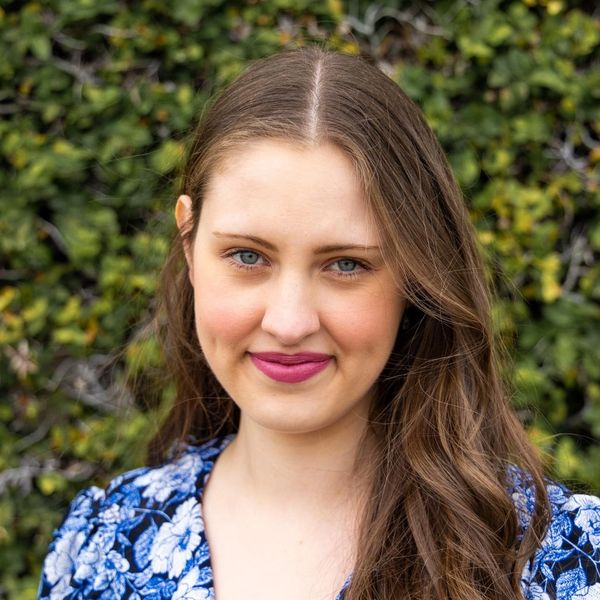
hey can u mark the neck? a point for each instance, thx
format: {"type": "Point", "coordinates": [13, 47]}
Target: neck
{"type": "Point", "coordinates": [303, 469]}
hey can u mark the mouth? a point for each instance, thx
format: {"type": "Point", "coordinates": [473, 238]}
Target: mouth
{"type": "Point", "coordinates": [290, 368]}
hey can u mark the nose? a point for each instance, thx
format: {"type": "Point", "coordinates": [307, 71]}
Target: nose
{"type": "Point", "coordinates": [290, 314]}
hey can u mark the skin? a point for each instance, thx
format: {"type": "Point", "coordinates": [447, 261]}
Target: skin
{"type": "Point", "coordinates": [282, 502]}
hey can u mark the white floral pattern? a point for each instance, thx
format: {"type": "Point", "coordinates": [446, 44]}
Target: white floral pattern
{"type": "Point", "coordinates": [176, 541]}
{"type": "Point", "coordinates": [143, 538]}
{"type": "Point", "coordinates": [567, 564]}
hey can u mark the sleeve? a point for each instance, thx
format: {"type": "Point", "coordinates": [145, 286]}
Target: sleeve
{"type": "Point", "coordinates": [69, 539]}
{"type": "Point", "coordinates": [567, 564]}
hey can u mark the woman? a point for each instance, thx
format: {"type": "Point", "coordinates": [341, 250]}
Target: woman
{"type": "Point", "coordinates": [340, 428]}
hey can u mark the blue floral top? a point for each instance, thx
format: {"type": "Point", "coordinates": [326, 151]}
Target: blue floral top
{"type": "Point", "coordinates": [144, 538]}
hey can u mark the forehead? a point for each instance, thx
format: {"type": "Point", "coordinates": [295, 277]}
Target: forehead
{"type": "Point", "coordinates": [281, 187]}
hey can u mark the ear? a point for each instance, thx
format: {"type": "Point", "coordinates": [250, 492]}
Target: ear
{"type": "Point", "coordinates": [183, 218]}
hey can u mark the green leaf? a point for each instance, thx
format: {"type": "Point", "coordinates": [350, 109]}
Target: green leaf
{"type": "Point", "coordinates": [167, 157]}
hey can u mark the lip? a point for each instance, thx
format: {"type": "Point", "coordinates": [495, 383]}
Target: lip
{"type": "Point", "coordinates": [290, 368]}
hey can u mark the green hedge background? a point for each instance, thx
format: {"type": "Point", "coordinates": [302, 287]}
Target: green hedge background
{"type": "Point", "coordinates": [97, 98]}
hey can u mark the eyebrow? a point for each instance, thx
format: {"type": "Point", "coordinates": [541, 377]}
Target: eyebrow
{"type": "Point", "coordinates": [326, 249]}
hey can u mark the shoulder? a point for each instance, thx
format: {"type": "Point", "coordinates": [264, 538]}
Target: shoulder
{"type": "Point", "coordinates": [183, 475]}
{"type": "Point", "coordinates": [117, 538]}
{"type": "Point", "coordinates": [567, 563]}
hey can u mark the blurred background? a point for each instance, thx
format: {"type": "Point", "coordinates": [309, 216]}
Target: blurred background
{"type": "Point", "coordinates": [97, 101]}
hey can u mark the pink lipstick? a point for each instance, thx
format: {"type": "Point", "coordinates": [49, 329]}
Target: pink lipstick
{"type": "Point", "coordinates": [290, 368]}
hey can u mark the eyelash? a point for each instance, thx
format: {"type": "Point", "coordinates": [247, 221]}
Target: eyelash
{"type": "Point", "coordinates": [341, 274]}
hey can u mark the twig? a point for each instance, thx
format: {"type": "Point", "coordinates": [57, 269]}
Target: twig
{"type": "Point", "coordinates": [80, 379]}
{"type": "Point", "coordinates": [55, 235]}
{"type": "Point", "coordinates": [375, 13]}
{"type": "Point", "coordinates": [33, 438]}
{"type": "Point", "coordinates": [68, 41]}
{"type": "Point", "coordinates": [78, 72]}
{"type": "Point", "coordinates": [23, 475]}
{"type": "Point", "coordinates": [576, 255]}
{"type": "Point", "coordinates": [110, 31]}
{"type": "Point", "coordinates": [12, 274]}
{"type": "Point", "coordinates": [10, 109]}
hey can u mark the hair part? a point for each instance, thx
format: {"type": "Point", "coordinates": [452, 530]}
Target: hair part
{"type": "Point", "coordinates": [440, 522]}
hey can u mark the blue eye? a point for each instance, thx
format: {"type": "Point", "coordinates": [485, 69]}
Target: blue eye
{"type": "Point", "coordinates": [348, 268]}
{"type": "Point", "coordinates": [346, 265]}
{"type": "Point", "coordinates": [248, 257]}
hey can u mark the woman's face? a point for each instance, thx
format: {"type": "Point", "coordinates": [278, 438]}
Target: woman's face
{"type": "Point", "coordinates": [296, 311]}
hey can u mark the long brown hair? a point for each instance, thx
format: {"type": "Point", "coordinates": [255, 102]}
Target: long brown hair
{"type": "Point", "coordinates": [440, 522]}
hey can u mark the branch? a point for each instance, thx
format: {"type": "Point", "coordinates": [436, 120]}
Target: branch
{"type": "Point", "coordinates": [67, 41]}
{"type": "Point", "coordinates": [375, 13]}
{"type": "Point", "coordinates": [577, 255]}
{"type": "Point", "coordinates": [76, 71]}
{"type": "Point", "coordinates": [80, 379]}
{"type": "Point", "coordinates": [22, 476]}
{"type": "Point", "coordinates": [55, 235]}
{"type": "Point", "coordinates": [116, 32]}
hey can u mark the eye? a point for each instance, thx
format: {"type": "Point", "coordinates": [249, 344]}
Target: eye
{"type": "Point", "coordinates": [348, 267]}
{"type": "Point", "coordinates": [245, 259]}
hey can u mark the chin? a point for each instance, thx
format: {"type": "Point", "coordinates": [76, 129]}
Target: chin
{"type": "Point", "coordinates": [285, 420]}
{"type": "Point", "coordinates": [303, 417]}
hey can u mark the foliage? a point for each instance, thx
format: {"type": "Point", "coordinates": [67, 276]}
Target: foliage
{"type": "Point", "coordinates": [99, 98]}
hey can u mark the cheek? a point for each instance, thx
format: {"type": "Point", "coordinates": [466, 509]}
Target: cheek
{"type": "Point", "coordinates": [368, 322]}
{"type": "Point", "coordinates": [222, 316]}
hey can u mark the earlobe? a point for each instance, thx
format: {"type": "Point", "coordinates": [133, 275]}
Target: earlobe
{"type": "Point", "coordinates": [183, 218]}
